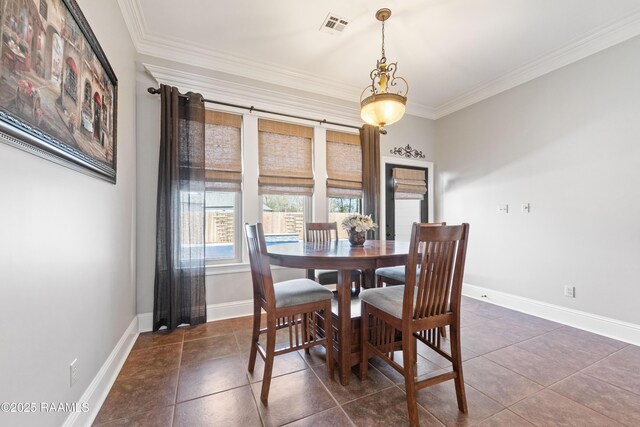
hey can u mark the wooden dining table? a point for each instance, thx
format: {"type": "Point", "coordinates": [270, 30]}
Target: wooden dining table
{"type": "Point", "coordinates": [340, 255]}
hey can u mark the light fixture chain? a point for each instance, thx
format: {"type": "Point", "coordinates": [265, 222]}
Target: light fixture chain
{"type": "Point", "coordinates": [383, 55]}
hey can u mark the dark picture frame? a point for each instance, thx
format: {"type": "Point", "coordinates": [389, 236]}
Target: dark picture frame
{"type": "Point", "coordinates": [58, 92]}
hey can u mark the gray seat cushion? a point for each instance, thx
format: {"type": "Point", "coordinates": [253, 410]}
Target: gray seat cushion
{"type": "Point", "coordinates": [395, 273]}
{"type": "Point", "coordinates": [387, 299]}
{"type": "Point", "coordinates": [330, 277]}
{"type": "Point", "coordinates": [299, 291]}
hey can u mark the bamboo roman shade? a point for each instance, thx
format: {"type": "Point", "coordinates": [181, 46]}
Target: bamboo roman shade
{"type": "Point", "coordinates": [286, 161]}
{"type": "Point", "coordinates": [223, 152]}
{"type": "Point", "coordinates": [344, 165]}
{"type": "Point", "coordinates": [409, 183]}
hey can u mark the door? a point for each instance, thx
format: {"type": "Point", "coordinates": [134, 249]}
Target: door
{"type": "Point", "coordinates": [401, 214]}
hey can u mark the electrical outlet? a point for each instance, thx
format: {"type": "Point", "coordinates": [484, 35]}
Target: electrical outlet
{"type": "Point", "coordinates": [73, 372]}
{"type": "Point", "coordinates": [570, 291]}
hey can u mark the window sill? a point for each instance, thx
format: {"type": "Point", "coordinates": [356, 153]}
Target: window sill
{"type": "Point", "coordinates": [240, 267]}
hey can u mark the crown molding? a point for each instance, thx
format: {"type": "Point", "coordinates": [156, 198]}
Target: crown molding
{"type": "Point", "coordinates": [237, 93]}
{"type": "Point", "coordinates": [201, 56]}
{"type": "Point", "coordinates": [603, 38]}
{"type": "Point", "coordinates": [185, 52]}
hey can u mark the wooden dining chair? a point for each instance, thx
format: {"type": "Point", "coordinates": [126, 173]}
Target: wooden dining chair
{"type": "Point", "coordinates": [292, 304]}
{"type": "Point", "coordinates": [394, 276]}
{"type": "Point", "coordinates": [327, 232]}
{"type": "Point", "coordinates": [429, 300]}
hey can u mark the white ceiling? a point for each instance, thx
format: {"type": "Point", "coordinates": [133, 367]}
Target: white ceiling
{"type": "Point", "coordinates": [452, 52]}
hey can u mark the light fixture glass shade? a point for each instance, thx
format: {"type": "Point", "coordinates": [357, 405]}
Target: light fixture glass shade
{"type": "Point", "coordinates": [382, 109]}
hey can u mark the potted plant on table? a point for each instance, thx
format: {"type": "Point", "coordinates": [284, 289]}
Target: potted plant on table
{"type": "Point", "coordinates": [357, 226]}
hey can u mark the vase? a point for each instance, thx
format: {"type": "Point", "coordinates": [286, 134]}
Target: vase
{"type": "Point", "coordinates": [357, 238]}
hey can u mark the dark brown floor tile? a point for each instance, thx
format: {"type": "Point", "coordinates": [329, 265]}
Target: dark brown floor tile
{"type": "Point", "coordinates": [385, 408]}
{"type": "Point", "coordinates": [207, 330]}
{"type": "Point", "coordinates": [587, 341]}
{"type": "Point", "coordinates": [557, 348]}
{"type": "Point", "coordinates": [162, 417]}
{"type": "Point", "coordinates": [432, 356]}
{"type": "Point", "coordinates": [488, 310]}
{"type": "Point", "coordinates": [537, 368]}
{"type": "Point", "coordinates": [211, 376]}
{"type": "Point", "coordinates": [151, 339]}
{"type": "Point", "coordinates": [500, 384]}
{"type": "Point", "coordinates": [621, 369]}
{"type": "Point", "coordinates": [243, 338]}
{"type": "Point", "coordinates": [526, 320]}
{"type": "Point", "coordinates": [481, 340]}
{"type": "Point", "coordinates": [507, 329]}
{"type": "Point", "coordinates": [356, 388]}
{"type": "Point", "coordinates": [282, 365]}
{"type": "Point", "coordinates": [139, 393]}
{"type": "Point", "coordinates": [241, 323]}
{"type": "Point", "coordinates": [165, 358]}
{"type": "Point", "coordinates": [208, 348]}
{"type": "Point", "coordinates": [505, 418]}
{"type": "Point", "coordinates": [230, 408]}
{"type": "Point", "coordinates": [550, 409]}
{"type": "Point", "coordinates": [293, 397]}
{"type": "Point", "coordinates": [423, 365]}
{"type": "Point", "coordinates": [317, 356]}
{"type": "Point", "coordinates": [609, 400]}
{"type": "Point", "coordinates": [468, 318]}
{"type": "Point", "coordinates": [440, 400]}
{"type": "Point", "coordinates": [334, 417]}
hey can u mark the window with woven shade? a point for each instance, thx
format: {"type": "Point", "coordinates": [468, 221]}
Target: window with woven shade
{"type": "Point", "coordinates": [223, 172]}
{"type": "Point", "coordinates": [285, 158]}
{"type": "Point", "coordinates": [344, 165]}
{"type": "Point", "coordinates": [344, 177]}
{"type": "Point", "coordinates": [409, 183]}
{"type": "Point", "coordinates": [223, 151]}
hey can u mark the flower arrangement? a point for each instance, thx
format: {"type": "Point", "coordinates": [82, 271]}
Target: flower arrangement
{"type": "Point", "coordinates": [358, 223]}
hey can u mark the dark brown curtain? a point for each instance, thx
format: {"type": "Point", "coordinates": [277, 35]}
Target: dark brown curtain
{"type": "Point", "coordinates": [370, 140]}
{"type": "Point", "coordinates": [179, 289]}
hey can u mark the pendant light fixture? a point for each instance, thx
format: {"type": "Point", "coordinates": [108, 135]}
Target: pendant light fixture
{"type": "Point", "coordinates": [384, 101]}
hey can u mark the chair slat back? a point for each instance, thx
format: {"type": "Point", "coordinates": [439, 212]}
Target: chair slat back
{"type": "Point", "coordinates": [321, 232]}
{"type": "Point", "coordinates": [260, 268]}
{"type": "Point", "coordinates": [438, 286]}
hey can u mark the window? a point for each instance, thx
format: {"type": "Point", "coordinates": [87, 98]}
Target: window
{"type": "Point", "coordinates": [44, 8]}
{"type": "Point", "coordinates": [286, 179]}
{"type": "Point", "coordinates": [222, 233]}
{"type": "Point", "coordinates": [71, 82]}
{"type": "Point", "coordinates": [283, 217]}
{"type": "Point", "coordinates": [340, 208]}
{"type": "Point", "coordinates": [87, 92]}
{"type": "Point", "coordinates": [223, 162]}
{"type": "Point", "coordinates": [344, 176]}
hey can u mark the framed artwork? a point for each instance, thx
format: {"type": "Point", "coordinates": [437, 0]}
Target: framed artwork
{"type": "Point", "coordinates": [58, 93]}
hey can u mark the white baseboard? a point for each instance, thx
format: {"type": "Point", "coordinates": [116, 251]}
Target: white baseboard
{"type": "Point", "coordinates": [221, 311]}
{"type": "Point", "coordinates": [612, 328]}
{"type": "Point", "coordinates": [99, 388]}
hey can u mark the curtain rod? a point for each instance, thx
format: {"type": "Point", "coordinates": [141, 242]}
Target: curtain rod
{"type": "Point", "coordinates": [154, 91]}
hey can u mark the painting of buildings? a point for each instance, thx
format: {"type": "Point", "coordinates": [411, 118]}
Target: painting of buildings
{"type": "Point", "coordinates": [52, 78]}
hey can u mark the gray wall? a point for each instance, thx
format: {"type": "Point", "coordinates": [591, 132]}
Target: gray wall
{"type": "Point", "coordinates": [67, 258]}
{"type": "Point", "coordinates": [221, 288]}
{"type": "Point", "coordinates": [568, 144]}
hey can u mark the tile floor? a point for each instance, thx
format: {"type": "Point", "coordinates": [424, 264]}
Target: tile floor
{"type": "Point", "coordinates": [519, 371]}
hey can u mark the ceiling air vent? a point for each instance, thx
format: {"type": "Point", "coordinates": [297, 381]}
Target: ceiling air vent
{"type": "Point", "coordinates": [333, 24]}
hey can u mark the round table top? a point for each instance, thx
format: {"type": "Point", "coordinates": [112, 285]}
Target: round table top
{"type": "Point", "coordinates": [340, 250]}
